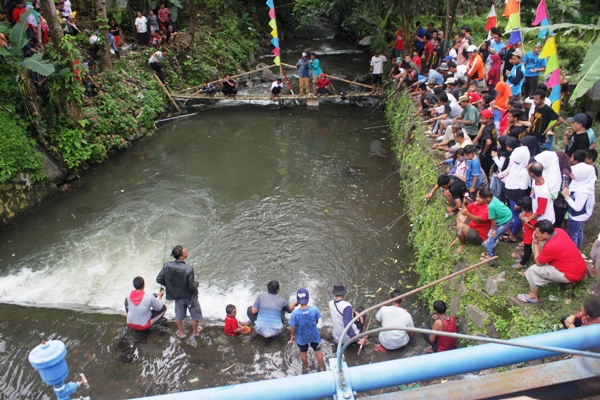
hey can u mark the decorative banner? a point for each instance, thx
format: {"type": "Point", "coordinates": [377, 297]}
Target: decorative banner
{"type": "Point", "coordinates": [554, 79]}
{"type": "Point", "coordinates": [491, 19]}
{"type": "Point", "coordinates": [544, 32]}
{"type": "Point", "coordinates": [555, 94]}
{"type": "Point", "coordinates": [551, 64]}
{"type": "Point", "coordinates": [549, 48]}
{"type": "Point", "coordinates": [276, 51]}
{"type": "Point", "coordinates": [270, 4]}
{"type": "Point", "coordinates": [272, 13]}
{"type": "Point", "coordinates": [277, 61]}
{"type": "Point", "coordinates": [541, 13]}
{"type": "Point", "coordinates": [512, 7]}
{"type": "Point", "coordinates": [515, 37]}
{"type": "Point", "coordinates": [274, 33]}
{"type": "Point", "coordinates": [514, 21]}
{"type": "Point", "coordinates": [275, 42]}
{"type": "Point", "coordinates": [273, 23]}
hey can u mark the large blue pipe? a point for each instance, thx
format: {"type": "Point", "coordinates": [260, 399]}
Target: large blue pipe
{"type": "Point", "coordinates": [403, 370]}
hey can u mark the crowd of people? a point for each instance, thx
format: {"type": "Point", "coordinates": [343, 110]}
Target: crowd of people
{"type": "Point", "coordinates": [505, 178]}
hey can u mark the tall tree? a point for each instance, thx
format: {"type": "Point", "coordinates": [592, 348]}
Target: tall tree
{"type": "Point", "coordinates": [192, 25]}
{"type": "Point", "coordinates": [102, 20]}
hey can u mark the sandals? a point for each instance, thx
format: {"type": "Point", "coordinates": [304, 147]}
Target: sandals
{"type": "Point", "coordinates": [521, 245]}
{"type": "Point", "coordinates": [508, 239]}
{"type": "Point", "coordinates": [379, 348]}
{"type": "Point", "coordinates": [516, 254]}
{"type": "Point", "coordinates": [525, 299]}
{"type": "Point", "coordinates": [518, 266]}
{"type": "Point", "coordinates": [180, 335]}
{"type": "Point", "coordinates": [198, 333]}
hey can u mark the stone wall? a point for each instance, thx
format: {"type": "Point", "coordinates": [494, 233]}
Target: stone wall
{"type": "Point", "coordinates": [19, 197]}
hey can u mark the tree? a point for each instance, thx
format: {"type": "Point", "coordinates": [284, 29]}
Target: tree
{"type": "Point", "coordinates": [102, 20]}
{"type": "Point", "coordinates": [193, 10]}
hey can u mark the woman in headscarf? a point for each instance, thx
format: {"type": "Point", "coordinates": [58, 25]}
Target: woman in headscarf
{"type": "Point", "coordinates": [516, 184]}
{"type": "Point", "coordinates": [503, 93]}
{"type": "Point", "coordinates": [532, 144]}
{"type": "Point", "coordinates": [560, 204]}
{"type": "Point", "coordinates": [580, 199]}
{"type": "Point", "coordinates": [551, 173]}
{"type": "Point", "coordinates": [494, 74]}
{"type": "Point", "coordinates": [501, 160]}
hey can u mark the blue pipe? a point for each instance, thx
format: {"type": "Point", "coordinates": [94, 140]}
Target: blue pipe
{"type": "Point", "coordinates": [401, 371]}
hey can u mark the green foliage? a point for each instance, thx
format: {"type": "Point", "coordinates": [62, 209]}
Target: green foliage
{"type": "Point", "coordinates": [18, 35]}
{"type": "Point", "coordinates": [18, 152]}
{"type": "Point", "coordinates": [590, 72]}
{"type": "Point", "coordinates": [37, 64]}
{"type": "Point", "coordinates": [570, 55]}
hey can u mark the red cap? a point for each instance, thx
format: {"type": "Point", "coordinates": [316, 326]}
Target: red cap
{"type": "Point", "coordinates": [487, 114]}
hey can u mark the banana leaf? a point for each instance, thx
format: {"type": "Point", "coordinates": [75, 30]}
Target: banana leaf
{"type": "Point", "coordinates": [37, 64]}
{"type": "Point", "coordinates": [590, 72]}
{"type": "Point", "coordinates": [176, 3]}
{"type": "Point", "coordinates": [18, 34]}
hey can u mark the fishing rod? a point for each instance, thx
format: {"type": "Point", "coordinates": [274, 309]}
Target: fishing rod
{"type": "Point", "coordinates": [370, 318]}
{"type": "Point", "coordinates": [394, 222]}
{"type": "Point", "coordinates": [165, 252]}
{"type": "Point", "coordinates": [169, 119]}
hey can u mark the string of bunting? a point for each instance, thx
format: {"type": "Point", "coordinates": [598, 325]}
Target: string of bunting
{"type": "Point", "coordinates": [274, 34]}
{"type": "Point", "coordinates": [550, 54]}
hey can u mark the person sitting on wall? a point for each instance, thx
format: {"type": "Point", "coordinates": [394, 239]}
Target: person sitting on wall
{"type": "Point", "coordinates": [589, 315]}
{"type": "Point", "coordinates": [475, 231]}
{"type": "Point", "coordinates": [441, 323]}
{"type": "Point", "coordinates": [143, 309]}
{"type": "Point", "coordinates": [559, 260]}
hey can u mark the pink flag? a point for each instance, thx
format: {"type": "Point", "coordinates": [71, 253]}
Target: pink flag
{"type": "Point", "coordinates": [541, 13]}
{"type": "Point", "coordinates": [276, 51]}
{"type": "Point", "coordinates": [554, 79]}
{"type": "Point", "coordinates": [272, 12]}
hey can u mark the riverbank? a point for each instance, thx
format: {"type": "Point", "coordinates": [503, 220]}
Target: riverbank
{"type": "Point", "coordinates": [484, 300]}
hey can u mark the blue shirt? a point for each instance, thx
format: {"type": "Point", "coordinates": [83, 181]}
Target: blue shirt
{"type": "Point", "coordinates": [498, 47]}
{"type": "Point", "coordinates": [473, 170]}
{"type": "Point", "coordinates": [305, 320]}
{"type": "Point", "coordinates": [433, 74]}
{"type": "Point", "coordinates": [421, 33]}
{"type": "Point", "coordinates": [533, 61]}
{"type": "Point", "coordinates": [271, 308]}
{"type": "Point", "coordinates": [315, 67]}
{"type": "Point", "coordinates": [302, 68]}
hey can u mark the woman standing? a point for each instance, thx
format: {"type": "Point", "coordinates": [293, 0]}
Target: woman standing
{"type": "Point", "coordinates": [115, 29]}
{"type": "Point", "coordinates": [141, 27]}
{"type": "Point", "coordinates": [516, 185]}
{"type": "Point", "coordinates": [153, 22]}
{"type": "Point", "coordinates": [580, 199]}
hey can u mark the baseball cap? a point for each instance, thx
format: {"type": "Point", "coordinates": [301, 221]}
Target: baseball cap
{"type": "Point", "coordinates": [302, 296]}
{"type": "Point", "coordinates": [463, 98]}
{"type": "Point", "coordinates": [518, 53]}
{"type": "Point", "coordinates": [448, 58]}
{"type": "Point", "coordinates": [444, 67]}
{"type": "Point", "coordinates": [472, 48]}
{"type": "Point", "coordinates": [487, 114]}
{"type": "Point", "coordinates": [303, 54]}
{"type": "Point", "coordinates": [450, 81]}
{"type": "Point", "coordinates": [452, 151]}
{"type": "Point", "coordinates": [580, 118]}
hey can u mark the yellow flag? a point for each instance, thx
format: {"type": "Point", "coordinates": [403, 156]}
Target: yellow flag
{"type": "Point", "coordinates": [273, 23]}
{"type": "Point", "coordinates": [514, 21]}
{"type": "Point", "coordinates": [277, 61]}
{"type": "Point", "coordinates": [549, 49]}
{"type": "Point", "coordinates": [556, 106]}
{"type": "Point", "coordinates": [551, 63]}
{"type": "Point", "coordinates": [274, 32]}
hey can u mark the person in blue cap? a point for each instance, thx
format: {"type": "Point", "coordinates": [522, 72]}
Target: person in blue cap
{"type": "Point", "coordinates": [303, 322]}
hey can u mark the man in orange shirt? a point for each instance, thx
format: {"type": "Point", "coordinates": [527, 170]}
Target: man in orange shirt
{"type": "Point", "coordinates": [475, 70]}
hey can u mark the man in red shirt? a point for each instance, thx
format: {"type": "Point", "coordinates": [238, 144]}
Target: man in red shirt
{"type": "Point", "coordinates": [322, 85]}
{"type": "Point", "coordinates": [442, 323]}
{"type": "Point", "coordinates": [476, 231]}
{"type": "Point", "coordinates": [399, 46]}
{"type": "Point", "coordinates": [559, 261]}
{"type": "Point", "coordinates": [16, 14]}
{"type": "Point", "coordinates": [163, 16]}
{"type": "Point", "coordinates": [428, 50]}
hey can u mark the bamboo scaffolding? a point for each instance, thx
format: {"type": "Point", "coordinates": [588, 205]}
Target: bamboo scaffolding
{"type": "Point", "coordinates": [336, 78]}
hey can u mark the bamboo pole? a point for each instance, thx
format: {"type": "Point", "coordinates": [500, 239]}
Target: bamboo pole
{"type": "Point", "coordinates": [233, 76]}
{"type": "Point", "coordinates": [336, 78]}
{"type": "Point", "coordinates": [167, 92]}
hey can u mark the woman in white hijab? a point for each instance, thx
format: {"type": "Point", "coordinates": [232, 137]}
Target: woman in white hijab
{"type": "Point", "coordinates": [551, 173]}
{"type": "Point", "coordinates": [580, 199]}
{"type": "Point", "coordinates": [516, 186]}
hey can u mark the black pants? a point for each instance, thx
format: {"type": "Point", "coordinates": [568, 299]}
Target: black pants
{"type": "Point", "coordinates": [530, 86]}
{"type": "Point", "coordinates": [143, 39]}
{"type": "Point", "coordinates": [526, 254]}
{"type": "Point", "coordinates": [426, 337]}
{"type": "Point", "coordinates": [564, 317]}
{"type": "Point", "coordinates": [559, 214]}
{"type": "Point", "coordinates": [156, 67]}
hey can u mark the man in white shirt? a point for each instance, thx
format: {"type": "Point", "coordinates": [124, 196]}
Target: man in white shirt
{"type": "Point", "coordinates": [542, 203]}
{"type": "Point", "coordinates": [377, 69]}
{"type": "Point", "coordinates": [393, 315]}
{"type": "Point", "coordinates": [276, 88]}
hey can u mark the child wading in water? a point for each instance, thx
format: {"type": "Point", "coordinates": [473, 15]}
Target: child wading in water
{"type": "Point", "coordinates": [232, 326]}
{"type": "Point", "coordinates": [304, 330]}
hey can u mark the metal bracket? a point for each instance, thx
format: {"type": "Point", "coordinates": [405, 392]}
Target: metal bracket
{"type": "Point", "coordinates": [343, 386]}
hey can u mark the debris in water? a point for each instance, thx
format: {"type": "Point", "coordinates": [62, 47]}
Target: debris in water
{"type": "Point", "coordinates": [227, 369]}
{"type": "Point", "coordinates": [73, 215]}
{"type": "Point", "coordinates": [193, 380]}
{"type": "Point", "coordinates": [326, 211]}
{"type": "Point", "coordinates": [13, 255]}
{"type": "Point", "coordinates": [122, 190]}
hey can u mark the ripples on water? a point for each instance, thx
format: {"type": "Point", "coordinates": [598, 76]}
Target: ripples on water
{"type": "Point", "coordinates": [254, 195]}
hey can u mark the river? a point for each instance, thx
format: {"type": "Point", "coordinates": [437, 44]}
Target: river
{"type": "Point", "coordinates": [255, 194]}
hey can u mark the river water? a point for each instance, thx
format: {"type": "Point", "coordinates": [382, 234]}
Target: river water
{"type": "Point", "coordinates": [255, 194]}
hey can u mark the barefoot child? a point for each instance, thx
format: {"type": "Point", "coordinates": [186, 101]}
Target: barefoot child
{"type": "Point", "coordinates": [232, 326]}
{"type": "Point", "coordinates": [528, 227]}
{"type": "Point", "coordinates": [304, 330]}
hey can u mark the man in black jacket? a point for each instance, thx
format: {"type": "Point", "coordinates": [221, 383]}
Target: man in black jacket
{"type": "Point", "coordinates": [178, 279]}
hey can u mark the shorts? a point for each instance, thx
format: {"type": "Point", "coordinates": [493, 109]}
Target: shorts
{"type": "Point", "coordinates": [472, 237]}
{"type": "Point", "coordinates": [182, 305]}
{"type": "Point", "coordinates": [322, 91]}
{"type": "Point", "coordinates": [304, 347]}
{"type": "Point", "coordinates": [480, 83]}
{"type": "Point", "coordinates": [538, 275]}
{"type": "Point", "coordinates": [276, 90]}
{"type": "Point", "coordinates": [376, 79]}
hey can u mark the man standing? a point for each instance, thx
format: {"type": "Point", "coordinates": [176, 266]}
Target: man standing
{"type": "Point", "coordinates": [163, 16]}
{"type": "Point", "coordinates": [268, 311]}
{"type": "Point", "coordinates": [533, 66]}
{"type": "Point", "coordinates": [496, 43]}
{"type": "Point", "coordinates": [579, 139]}
{"type": "Point", "coordinates": [143, 309]}
{"type": "Point", "coordinates": [178, 279]}
{"type": "Point", "coordinates": [314, 65]}
{"type": "Point", "coordinates": [342, 313]}
{"type": "Point", "coordinates": [304, 330]}
{"type": "Point", "coordinates": [542, 116]}
{"type": "Point", "coordinates": [441, 323]}
{"type": "Point", "coordinates": [303, 74]}
{"type": "Point", "coordinates": [393, 315]}
{"type": "Point", "coordinates": [515, 77]}
{"type": "Point", "coordinates": [463, 44]}
{"type": "Point", "coordinates": [399, 45]}
{"type": "Point", "coordinates": [475, 70]}
{"type": "Point", "coordinates": [377, 62]}
{"type": "Point", "coordinates": [427, 51]}
{"type": "Point", "coordinates": [558, 261]}
{"type": "Point", "coordinates": [542, 203]}
{"type": "Point", "coordinates": [488, 140]}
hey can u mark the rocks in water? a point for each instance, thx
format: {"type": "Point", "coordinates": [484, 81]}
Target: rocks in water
{"type": "Point", "coordinates": [72, 177]}
{"type": "Point", "coordinates": [268, 76]}
{"type": "Point", "coordinates": [366, 41]}
{"type": "Point", "coordinates": [52, 168]}
{"type": "Point", "coordinates": [354, 170]}
{"type": "Point", "coordinates": [260, 66]}
{"type": "Point", "coordinates": [377, 150]}
{"type": "Point", "coordinates": [366, 78]}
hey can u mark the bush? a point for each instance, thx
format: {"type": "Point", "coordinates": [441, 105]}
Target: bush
{"type": "Point", "coordinates": [18, 152]}
{"type": "Point", "coordinates": [571, 54]}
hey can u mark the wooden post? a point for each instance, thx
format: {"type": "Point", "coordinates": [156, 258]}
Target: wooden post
{"type": "Point", "coordinates": [167, 92]}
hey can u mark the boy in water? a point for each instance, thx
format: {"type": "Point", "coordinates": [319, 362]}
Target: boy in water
{"type": "Point", "coordinates": [232, 326]}
{"type": "Point", "coordinates": [304, 330]}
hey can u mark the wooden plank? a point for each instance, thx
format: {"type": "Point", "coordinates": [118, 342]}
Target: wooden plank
{"type": "Point", "coordinates": [167, 92]}
{"type": "Point", "coordinates": [233, 76]}
{"type": "Point", "coordinates": [336, 78]}
{"type": "Point", "coordinates": [266, 97]}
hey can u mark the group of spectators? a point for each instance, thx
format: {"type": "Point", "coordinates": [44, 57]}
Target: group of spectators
{"type": "Point", "coordinates": [155, 29]}
{"type": "Point", "coordinates": [505, 178]}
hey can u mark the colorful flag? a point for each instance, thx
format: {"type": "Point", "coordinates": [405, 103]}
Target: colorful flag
{"type": "Point", "coordinates": [544, 32]}
{"type": "Point", "coordinates": [514, 21]}
{"type": "Point", "coordinates": [551, 64]}
{"type": "Point", "coordinates": [541, 13]}
{"type": "Point", "coordinates": [515, 37]}
{"type": "Point", "coordinates": [277, 61]}
{"type": "Point", "coordinates": [555, 94]}
{"type": "Point", "coordinates": [272, 13]}
{"type": "Point", "coordinates": [491, 19]}
{"type": "Point", "coordinates": [270, 4]}
{"type": "Point", "coordinates": [554, 79]}
{"type": "Point", "coordinates": [276, 51]}
{"type": "Point", "coordinates": [512, 7]}
{"type": "Point", "coordinates": [275, 42]}
{"type": "Point", "coordinates": [549, 48]}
